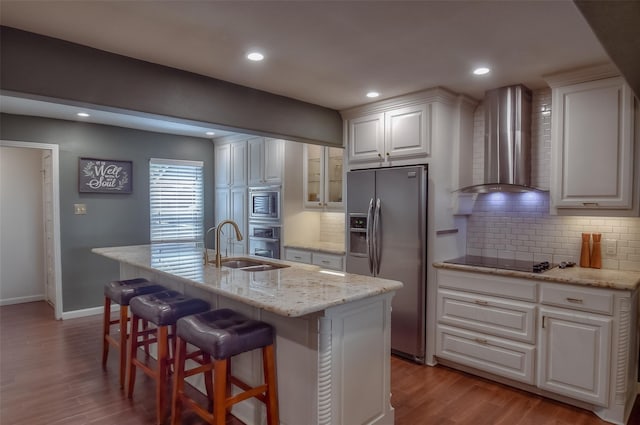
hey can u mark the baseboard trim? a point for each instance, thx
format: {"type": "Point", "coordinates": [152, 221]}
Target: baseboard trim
{"type": "Point", "coordinates": [20, 300]}
{"type": "Point", "coordinates": [75, 314]}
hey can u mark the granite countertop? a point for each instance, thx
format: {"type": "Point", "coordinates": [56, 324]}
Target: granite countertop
{"type": "Point", "coordinates": [292, 291]}
{"type": "Point", "coordinates": [326, 247]}
{"type": "Point", "coordinates": [601, 278]}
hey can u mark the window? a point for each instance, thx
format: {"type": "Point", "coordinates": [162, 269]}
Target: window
{"type": "Point", "coordinates": [176, 198]}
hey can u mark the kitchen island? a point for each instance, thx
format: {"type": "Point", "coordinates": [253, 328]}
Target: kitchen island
{"type": "Point", "coordinates": [333, 330]}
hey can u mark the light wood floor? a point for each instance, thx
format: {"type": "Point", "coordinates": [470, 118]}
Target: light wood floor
{"type": "Point", "coordinates": [50, 374]}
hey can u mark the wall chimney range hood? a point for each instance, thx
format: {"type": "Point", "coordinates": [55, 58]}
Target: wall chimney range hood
{"type": "Point", "coordinates": [507, 141]}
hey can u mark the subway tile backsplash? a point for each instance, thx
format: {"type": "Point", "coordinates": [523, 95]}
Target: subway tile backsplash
{"type": "Point", "coordinates": [332, 227]}
{"type": "Point", "coordinates": [518, 225]}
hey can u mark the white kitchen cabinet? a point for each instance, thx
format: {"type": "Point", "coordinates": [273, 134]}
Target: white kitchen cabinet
{"type": "Point", "coordinates": [593, 146]}
{"type": "Point", "coordinates": [323, 177]}
{"type": "Point", "coordinates": [231, 164]}
{"type": "Point", "coordinates": [231, 204]}
{"type": "Point", "coordinates": [572, 342]}
{"type": "Point", "coordinates": [266, 160]}
{"type": "Point", "coordinates": [394, 134]}
{"type": "Point", "coordinates": [573, 357]}
{"type": "Point", "coordinates": [324, 260]}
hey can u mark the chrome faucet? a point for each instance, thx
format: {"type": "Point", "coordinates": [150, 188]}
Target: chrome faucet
{"type": "Point", "coordinates": [218, 230]}
{"type": "Point", "coordinates": [206, 254]}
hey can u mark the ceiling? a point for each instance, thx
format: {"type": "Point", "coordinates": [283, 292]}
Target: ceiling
{"type": "Point", "coordinates": [330, 53]}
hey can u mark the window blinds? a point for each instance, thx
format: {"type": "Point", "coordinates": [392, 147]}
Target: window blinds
{"type": "Point", "coordinates": [176, 198]}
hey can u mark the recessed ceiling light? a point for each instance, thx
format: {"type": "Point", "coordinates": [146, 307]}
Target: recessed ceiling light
{"type": "Point", "coordinates": [210, 133]}
{"type": "Point", "coordinates": [373, 94]}
{"type": "Point", "coordinates": [255, 56]}
{"type": "Point", "coordinates": [83, 114]}
{"type": "Point", "coordinates": [481, 71]}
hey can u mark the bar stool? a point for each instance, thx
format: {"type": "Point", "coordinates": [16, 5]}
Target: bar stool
{"type": "Point", "coordinates": [222, 334]}
{"type": "Point", "coordinates": [162, 309]}
{"type": "Point", "coordinates": [121, 292]}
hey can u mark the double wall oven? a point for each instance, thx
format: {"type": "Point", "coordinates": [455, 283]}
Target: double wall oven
{"type": "Point", "coordinates": [264, 221]}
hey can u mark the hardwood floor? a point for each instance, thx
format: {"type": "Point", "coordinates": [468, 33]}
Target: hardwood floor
{"type": "Point", "coordinates": [50, 374]}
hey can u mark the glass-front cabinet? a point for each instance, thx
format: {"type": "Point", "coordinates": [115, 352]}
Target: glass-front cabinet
{"type": "Point", "coordinates": [323, 179]}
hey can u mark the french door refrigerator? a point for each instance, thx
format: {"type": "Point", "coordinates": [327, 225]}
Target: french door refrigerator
{"type": "Point", "coordinates": [387, 228]}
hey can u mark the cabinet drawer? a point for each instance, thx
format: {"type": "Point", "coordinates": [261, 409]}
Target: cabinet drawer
{"type": "Point", "coordinates": [298, 255]}
{"type": "Point", "coordinates": [328, 261]}
{"type": "Point", "coordinates": [498, 286]}
{"type": "Point", "coordinates": [584, 299]}
{"type": "Point", "coordinates": [494, 316]}
{"type": "Point", "coordinates": [494, 355]}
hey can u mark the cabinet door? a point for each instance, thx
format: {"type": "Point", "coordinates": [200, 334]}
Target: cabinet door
{"type": "Point", "coordinates": [273, 160]}
{"type": "Point", "coordinates": [256, 161]}
{"type": "Point", "coordinates": [573, 358]}
{"type": "Point", "coordinates": [238, 213]}
{"type": "Point", "coordinates": [313, 169]}
{"type": "Point", "coordinates": [593, 145]}
{"type": "Point", "coordinates": [366, 138]}
{"type": "Point", "coordinates": [407, 132]}
{"type": "Point", "coordinates": [239, 164]}
{"type": "Point", "coordinates": [333, 178]}
{"type": "Point", "coordinates": [222, 212]}
{"type": "Point", "coordinates": [222, 164]}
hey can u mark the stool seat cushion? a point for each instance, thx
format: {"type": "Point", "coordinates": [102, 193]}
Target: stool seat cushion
{"type": "Point", "coordinates": [224, 333]}
{"type": "Point", "coordinates": [166, 307]}
{"type": "Point", "coordinates": [122, 291]}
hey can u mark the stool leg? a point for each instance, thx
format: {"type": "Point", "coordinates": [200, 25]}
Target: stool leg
{"type": "Point", "coordinates": [178, 382]}
{"type": "Point", "coordinates": [161, 384]}
{"type": "Point", "coordinates": [219, 391]}
{"type": "Point", "coordinates": [105, 330]}
{"type": "Point", "coordinates": [124, 316]}
{"type": "Point", "coordinates": [208, 381]}
{"type": "Point", "coordinates": [269, 366]}
{"type": "Point", "coordinates": [133, 347]}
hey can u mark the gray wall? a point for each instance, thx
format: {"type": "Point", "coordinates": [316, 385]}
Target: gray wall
{"type": "Point", "coordinates": [34, 65]}
{"type": "Point", "coordinates": [111, 219]}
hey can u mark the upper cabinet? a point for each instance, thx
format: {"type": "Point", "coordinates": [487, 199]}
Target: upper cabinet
{"type": "Point", "coordinates": [231, 164]}
{"type": "Point", "coordinates": [323, 182]}
{"type": "Point", "coordinates": [393, 134]}
{"type": "Point", "coordinates": [593, 147]}
{"type": "Point", "coordinates": [266, 160]}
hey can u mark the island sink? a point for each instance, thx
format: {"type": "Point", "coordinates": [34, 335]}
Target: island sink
{"type": "Point", "coordinates": [250, 265]}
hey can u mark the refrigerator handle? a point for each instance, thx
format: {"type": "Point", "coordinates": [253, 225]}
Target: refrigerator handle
{"type": "Point", "coordinates": [369, 236]}
{"type": "Point", "coordinates": [377, 245]}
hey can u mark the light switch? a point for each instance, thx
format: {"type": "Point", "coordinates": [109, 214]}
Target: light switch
{"type": "Point", "coordinates": [80, 209]}
{"type": "Point", "coordinates": [610, 246]}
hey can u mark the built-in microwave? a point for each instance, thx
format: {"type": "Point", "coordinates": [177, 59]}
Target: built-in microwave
{"type": "Point", "coordinates": [264, 203]}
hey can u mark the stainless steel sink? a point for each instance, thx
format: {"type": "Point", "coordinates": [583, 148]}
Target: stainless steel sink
{"type": "Point", "coordinates": [251, 265]}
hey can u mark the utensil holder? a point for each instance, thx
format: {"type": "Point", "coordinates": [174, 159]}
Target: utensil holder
{"type": "Point", "coordinates": [585, 252]}
{"type": "Point", "coordinates": [596, 252]}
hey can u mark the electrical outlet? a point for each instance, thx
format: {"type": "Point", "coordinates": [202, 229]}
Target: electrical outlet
{"type": "Point", "coordinates": [79, 209]}
{"type": "Point", "coordinates": [610, 246]}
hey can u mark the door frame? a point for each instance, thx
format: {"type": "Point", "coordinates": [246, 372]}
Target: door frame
{"type": "Point", "coordinates": [55, 200]}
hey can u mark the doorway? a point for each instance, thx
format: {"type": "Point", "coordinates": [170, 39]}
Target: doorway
{"type": "Point", "coordinates": [31, 261]}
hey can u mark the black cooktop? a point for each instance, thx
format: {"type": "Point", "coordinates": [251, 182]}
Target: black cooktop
{"type": "Point", "coordinates": [503, 263]}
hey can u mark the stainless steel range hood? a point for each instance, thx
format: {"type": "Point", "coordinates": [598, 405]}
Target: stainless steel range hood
{"type": "Point", "coordinates": [507, 141]}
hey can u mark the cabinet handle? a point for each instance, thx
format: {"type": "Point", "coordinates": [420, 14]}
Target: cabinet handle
{"type": "Point", "coordinates": [590, 204]}
{"type": "Point", "coordinates": [297, 258]}
{"type": "Point", "coordinates": [543, 317]}
{"type": "Point", "coordinates": [480, 340]}
{"type": "Point", "coordinates": [574, 300]}
{"type": "Point", "coordinates": [319, 204]}
{"type": "Point", "coordinates": [379, 156]}
{"type": "Point", "coordinates": [480, 302]}
{"type": "Point", "coordinates": [325, 262]}
{"type": "Point", "coordinates": [387, 153]}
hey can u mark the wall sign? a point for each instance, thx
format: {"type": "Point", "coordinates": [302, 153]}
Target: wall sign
{"type": "Point", "coordinates": [104, 176]}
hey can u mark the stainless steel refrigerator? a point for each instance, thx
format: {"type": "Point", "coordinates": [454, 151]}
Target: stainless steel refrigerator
{"type": "Point", "coordinates": [387, 238]}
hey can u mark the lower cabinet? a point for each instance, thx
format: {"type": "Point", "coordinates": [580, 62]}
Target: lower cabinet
{"type": "Point", "coordinates": [565, 341]}
{"type": "Point", "coordinates": [327, 261]}
{"type": "Point", "coordinates": [574, 355]}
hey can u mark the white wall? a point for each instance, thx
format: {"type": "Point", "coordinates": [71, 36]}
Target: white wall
{"type": "Point", "coordinates": [21, 225]}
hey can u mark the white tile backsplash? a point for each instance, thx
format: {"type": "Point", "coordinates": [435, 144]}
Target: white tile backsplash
{"type": "Point", "coordinates": [518, 225]}
{"type": "Point", "coordinates": [332, 227]}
